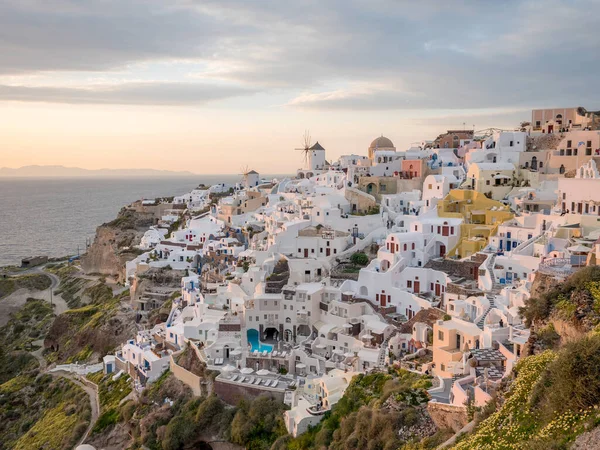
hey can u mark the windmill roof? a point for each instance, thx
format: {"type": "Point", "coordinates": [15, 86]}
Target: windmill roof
{"type": "Point", "coordinates": [317, 146]}
{"type": "Point", "coordinates": [253, 172]}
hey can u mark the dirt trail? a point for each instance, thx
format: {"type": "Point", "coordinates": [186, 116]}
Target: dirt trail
{"type": "Point", "coordinates": [17, 299]}
{"type": "Point", "coordinates": [92, 391]}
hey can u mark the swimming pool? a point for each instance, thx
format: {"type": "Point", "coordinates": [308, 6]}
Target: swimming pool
{"type": "Point", "coordinates": [255, 344]}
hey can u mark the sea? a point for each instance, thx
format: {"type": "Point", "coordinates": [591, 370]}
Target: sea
{"type": "Point", "coordinates": [56, 216]}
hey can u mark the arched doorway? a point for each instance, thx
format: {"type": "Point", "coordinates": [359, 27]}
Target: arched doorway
{"type": "Point", "coordinates": [363, 291]}
{"type": "Point", "coordinates": [287, 335]}
{"type": "Point", "coordinates": [271, 334]}
{"type": "Point", "coordinates": [370, 188]}
{"type": "Point", "coordinates": [534, 163]}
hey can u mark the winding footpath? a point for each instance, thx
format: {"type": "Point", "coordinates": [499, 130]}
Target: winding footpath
{"type": "Point", "coordinates": [89, 388]}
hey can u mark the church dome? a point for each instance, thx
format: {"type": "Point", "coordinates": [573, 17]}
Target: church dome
{"type": "Point", "coordinates": [381, 142]}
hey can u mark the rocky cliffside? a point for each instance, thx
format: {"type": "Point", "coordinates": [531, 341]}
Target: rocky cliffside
{"type": "Point", "coordinates": [115, 241]}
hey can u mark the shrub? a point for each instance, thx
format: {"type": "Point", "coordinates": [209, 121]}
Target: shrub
{"type": "Point", "coordinates": [360, 259]}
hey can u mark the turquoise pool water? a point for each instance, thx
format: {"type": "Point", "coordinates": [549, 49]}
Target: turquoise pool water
{"type": "Point", "coordinates": [255, 344]}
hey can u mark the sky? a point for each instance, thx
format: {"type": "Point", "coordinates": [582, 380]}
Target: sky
{"type": "Point", "coordinates": [211, 86]}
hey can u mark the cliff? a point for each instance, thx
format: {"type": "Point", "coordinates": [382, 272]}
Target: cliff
{"type": "Point", "coordinates": [115, 241]}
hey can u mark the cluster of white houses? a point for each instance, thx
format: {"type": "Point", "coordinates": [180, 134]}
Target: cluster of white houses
{"type": "Point", "coordinates": [419, 257]}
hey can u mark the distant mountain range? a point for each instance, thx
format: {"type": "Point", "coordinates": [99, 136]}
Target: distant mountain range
{"type": "Point", "coordinates": [62, 171]}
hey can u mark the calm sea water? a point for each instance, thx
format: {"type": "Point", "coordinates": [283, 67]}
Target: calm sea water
{"type": "Point", "coordinates": [53, 216]}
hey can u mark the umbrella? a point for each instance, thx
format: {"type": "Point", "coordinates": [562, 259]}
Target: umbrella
{"type": "Point", "coordinates": [349, 354]}
{"type": "Point", "coordinates": [235, 352]}
{"type": "Point", "coordinates": [228, 368]}
{"type": "Point", "coordinates": [320, 346]}
{"type": "Point", "coordinates": [579, 249]}
{"type": "Point", "coordinates": [367, 336]}
{"type": "Point", "coordinates": [347, 325]}
{"type": "Point", "coordinates": [300, 366]}
{"type": "Point", "coordinates": [337, 351]}
{"type": "Point", "coordinates": [247, 370]}
{"type": "Point", "coordinates": [263, 372]}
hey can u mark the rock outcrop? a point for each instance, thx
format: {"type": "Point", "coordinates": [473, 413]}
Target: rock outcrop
{"type": "Point", "coordinates": [115, 241]}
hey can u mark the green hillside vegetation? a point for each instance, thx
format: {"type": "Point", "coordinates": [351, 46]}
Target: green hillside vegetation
{"type": "Point", "coordinates": [110, 393]}
{"type": "Point", "coordinates": [188, 422]}
{"type": "Point", "coordinates": [38, 411]}
{"type": "Point", "coordinates": [25, 326]}
{"type": "Point", "coordinates": [577, 299]}
{"type": "Point", "coordinates": [93, 329]}
{"type": "Point", "coordinates": [370, 414]}
{"type": "Point", "coordinates": [38, 282]}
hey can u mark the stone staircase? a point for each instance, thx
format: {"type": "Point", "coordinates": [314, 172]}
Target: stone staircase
{"type": "Point", "coordinates": [383, 351]}
{"type": "Point", "coordinates": [481, 321]}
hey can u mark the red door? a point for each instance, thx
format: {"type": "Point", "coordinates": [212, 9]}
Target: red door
{"type": "Point", "coordinates": [442, 251]}
{"type": "Point", "coordinates": [327, 251]}
{"type": "Point", "coordinates": [437, 289]}
{"type": "Point", "coordinates": [306, 253]}
{"type": "Point", "coordinates": [417, 287]}
{"type": "Point", "coordinates": [550, 128]}
{"type": "Point", "coordinates": [383, 298]}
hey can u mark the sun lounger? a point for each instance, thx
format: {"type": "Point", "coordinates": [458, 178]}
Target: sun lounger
{"type": "Point", "coordinates": [242, 379]}
{"type": "Point", "coordinates": [257, 381]}
{"type": "Point", "coordinates": [274, 354]}
{"type": "Point", "coordinates": [264, 353]}
{"type": "Point", "coordinates": [251, 380]}
{"type": "Point", "coordinates": [235, 377]}
{"type": "Point", "coordinates": [255, 352]}
{"type": "Point", "coordinates": [274, 383]}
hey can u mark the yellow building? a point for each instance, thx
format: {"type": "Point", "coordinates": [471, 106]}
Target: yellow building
{"type": "Point", "coordinates": [481, 217]}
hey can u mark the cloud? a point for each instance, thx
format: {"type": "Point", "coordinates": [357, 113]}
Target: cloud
{"type": "Point", "coordinates": [124, 94]}
{"type": "Point", "coordinates": [338, 54]}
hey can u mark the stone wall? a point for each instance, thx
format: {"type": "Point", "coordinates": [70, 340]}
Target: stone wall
{"type": "Point", "coordinates": [448, 416]}
{"type": "Point", "coordinates": [232, 393]}
{"type": "Point", "coordinates": [463, 269]}
{"type": "Point", "coordinates": [187, 377]}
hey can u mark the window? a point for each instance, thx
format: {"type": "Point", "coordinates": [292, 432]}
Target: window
{"type": "Point", "coordinates": [250, 318]}
{"type": "Point", "coordinates": [511, 144]}
{"type": "Point", "coordinates": [409, 283]}
{"type": "Point", "coordinates": [440, 335]}
{"type": "Point", "coordinates": [568, 144]}
{"type": "Point", "coordinates": [537, 124]}
{"type": "Point", "coordinates": [487, 182]}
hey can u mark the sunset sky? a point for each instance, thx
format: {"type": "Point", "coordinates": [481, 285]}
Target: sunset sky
{"type": "Point", "coordinates": [212, 85]}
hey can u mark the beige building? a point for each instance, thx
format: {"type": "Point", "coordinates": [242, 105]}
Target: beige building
{"type": "Point", "coordinates": [240, 204]}
{"type": "Point", "coordinates": [450, 339]}
{"type": "Point", "coordinates": [493, 179]}
{"type": "Point", "coordinates": [378, 186]}
{"type": "Point", "coordinates": [555, 119]}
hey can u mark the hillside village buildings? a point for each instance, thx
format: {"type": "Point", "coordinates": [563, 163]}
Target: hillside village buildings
{"type": "Point", "coordinates": [419, 258]}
